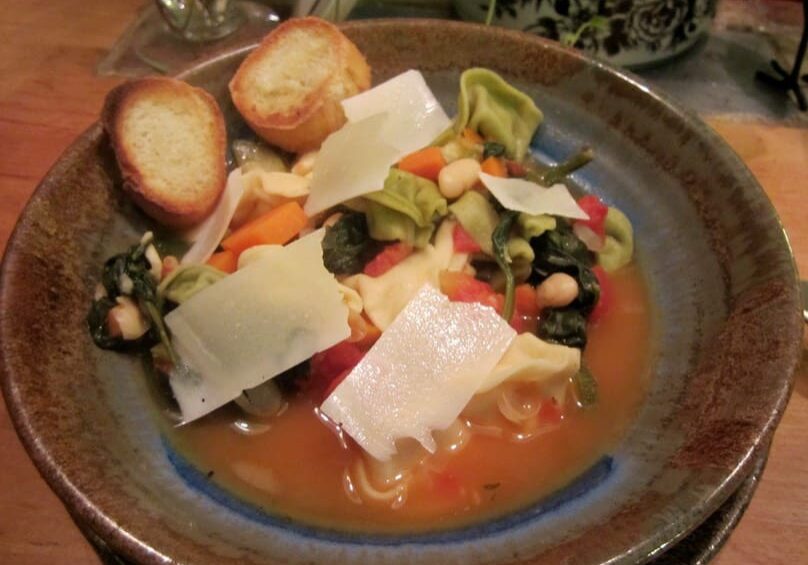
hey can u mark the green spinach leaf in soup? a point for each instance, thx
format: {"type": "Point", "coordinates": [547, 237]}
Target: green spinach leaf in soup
{"type": "Point", "coordinates": [560, 251]}
{"type": "Point", "coordinates": [347, 245]}
{"type": "Point", "coordinates": [566, 326]}
{"type": "Point", "coordinates": [129, 274]}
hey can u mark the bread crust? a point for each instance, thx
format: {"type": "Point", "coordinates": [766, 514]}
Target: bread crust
{"type": "Point", "coordinates": [159, 204]}
{"type": "Point", "coordinates": [318, 113]}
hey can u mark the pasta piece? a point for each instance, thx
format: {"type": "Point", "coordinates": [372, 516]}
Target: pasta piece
{"type": "Point", "coordinates": [497, 110]}
{"type": "Point", "coordinates": [265, 190]}
{"type": "Point", "coordinates": [385, 296]}
{"type": "Point", "coordinates": [478, 217]}
{"type": "Point", "coordinates": [618, 247]}
{"type": "Point", "coordinates": [530, 359]}
{"type": "Point", "coordinates": [405, 210]}
{"type": "Point", "coordinates": [530, 225]}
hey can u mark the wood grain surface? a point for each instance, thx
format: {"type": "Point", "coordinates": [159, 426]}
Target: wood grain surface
{"type": "Point", "coordinates": [49, 94]}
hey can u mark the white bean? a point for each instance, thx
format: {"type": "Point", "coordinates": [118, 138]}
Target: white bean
{"type": "Point", "coordinates": [125, 320]}
{"type": "Point", "coordinates": [557, 290]}
{"type": "Point", "coordinates": [457, 177]}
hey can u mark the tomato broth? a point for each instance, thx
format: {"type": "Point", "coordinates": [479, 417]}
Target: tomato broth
{"type": "Point", "coordinates": [294, 466]}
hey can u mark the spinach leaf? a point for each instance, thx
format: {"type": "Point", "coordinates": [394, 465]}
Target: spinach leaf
{"type": "Point", "coordinates": [499, 240]}
{"type": "Point", "coordinates": [556, 173]}
{"type": "Point", "coordinates": [347, 245]}
{"type": "Point", "coordinates": [493, 149]}
{"type": "Point", "coordinates": [97, 322]}
{"type": "Point", "coordinates": [566, 326]}
{"type": "Point", "coordinates": [128, 274]}
{"type": "Point", "coordinates": [560, 250]}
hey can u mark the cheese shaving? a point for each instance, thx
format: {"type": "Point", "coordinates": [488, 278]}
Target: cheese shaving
{"type": "Point", "coordinates": [254, 324]}
{"type": "Point", "coordinates": [414, 116]}
{"type": "Point", "coordinates": [420, 374]}
{"type": "Point", "coordinates": [524, 196]}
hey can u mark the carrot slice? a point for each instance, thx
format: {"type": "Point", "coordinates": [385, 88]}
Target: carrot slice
{"type": "Point", "coordinates": [276, 227]}
{"type": "Point", "coordinates": [494, 166]}
{"type": "Point", "coordinates": [225, 261]}
{"type": "Point", "coordinates": [472, 136]}
{"type": "Point", "coordinates": [425, 163]}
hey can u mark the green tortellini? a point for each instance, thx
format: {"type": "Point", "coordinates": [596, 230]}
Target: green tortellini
{"type": "Point", "coordinates": [186, 281]}
{"type": "Point", "coordinates": [405, 209]}
{"type": "Point", "coordinates": [530, 225]}
{"type": "Point", "coordinates": [521, 254]}
{"type": "Point", "coordinates": [478, 217]}
{"type": "Point", "coordinates": [496, 110]}
{"type": "Point", "coordinates": [619, 245]}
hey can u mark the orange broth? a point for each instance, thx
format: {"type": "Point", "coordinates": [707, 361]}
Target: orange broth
{"type": "Point", "coordinates": [296, 467]}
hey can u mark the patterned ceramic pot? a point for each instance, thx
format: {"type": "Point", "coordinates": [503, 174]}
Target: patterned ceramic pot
{"type": "Point", "coordinates": [631, 33]}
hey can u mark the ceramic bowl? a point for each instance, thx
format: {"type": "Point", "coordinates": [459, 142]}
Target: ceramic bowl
{"type": "Point", "coordinates": [630, 33]}
{"type": "Point", "coordinates": [721, 277]}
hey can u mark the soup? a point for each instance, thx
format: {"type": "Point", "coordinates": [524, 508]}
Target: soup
{"type": "Point", "coordinates": [415, 327]}
{"type": "Point", "coordinates": [295, 466]}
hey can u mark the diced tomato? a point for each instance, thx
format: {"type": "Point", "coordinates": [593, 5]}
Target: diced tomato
{"type": "Point", "coordinates": [526, 309]}
{"type": "Point", "coordinates": [330, 367]}
{"type": "Point", "coordinates": [606, 295]}
{"type": "Point", "coordinates": [463, 242]}
{"type": "Point", "coordinates": [515, 169]}
{"type": "Point", "coordinates": [596, 210]}
{"type": "Point", "coordinates": [462, 287]}
{"type": "Point", "coordinates": [388, 258]}
{"type": "Point", "coordinates": [526, 302]}
{"type": "Point", "coordinates": [550, 412]}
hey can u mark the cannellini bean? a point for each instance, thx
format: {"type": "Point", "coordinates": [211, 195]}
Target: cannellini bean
{"type": "Point", "coordinates": [557, 290]}
{"type": "Point", "coordinates": [458, 176]}
{"type": "Point", "coordinates": [305, 164]}
{"type": "Point", "coordinates": [125, 319]}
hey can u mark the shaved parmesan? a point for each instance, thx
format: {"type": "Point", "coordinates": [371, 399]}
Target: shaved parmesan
{"type": "Point", "coordinates": [207, 235]}
{"type": "Point", "coordinates": [528, 197]}
{"type": "Point", "coordinates": [420, 374]}
{"type": "Point", "coordinates": [254, 324]}
{"type": "Point", "coordinates": [385, 123]}
{"type": "Point", "coordinates": [352, 161]}
{"type": "Point", "coordinates": [414, 116]}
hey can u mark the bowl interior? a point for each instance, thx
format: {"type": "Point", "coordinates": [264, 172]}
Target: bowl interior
{"type": "Point", "coordinates": [718, 265]}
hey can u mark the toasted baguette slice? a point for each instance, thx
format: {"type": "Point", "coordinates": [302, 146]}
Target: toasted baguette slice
{"type": "Point", "coordinates": [289, 89]}
{"type": "Point", "coordinates": [169, 139]}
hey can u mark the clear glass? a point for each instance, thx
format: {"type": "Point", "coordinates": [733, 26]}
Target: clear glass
{"type": "Point", "coordinates": [201, 20]}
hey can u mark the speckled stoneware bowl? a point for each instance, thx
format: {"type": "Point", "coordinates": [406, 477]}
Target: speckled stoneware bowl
{"type": "Point", "coordinates": [715, 256]}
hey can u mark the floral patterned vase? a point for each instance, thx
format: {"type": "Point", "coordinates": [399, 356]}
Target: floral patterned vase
{"type": "Point", "coordinates": [631, 33]}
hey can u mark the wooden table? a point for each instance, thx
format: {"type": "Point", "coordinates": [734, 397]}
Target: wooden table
{"type": "Point", "coordinates": [49, 94]}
